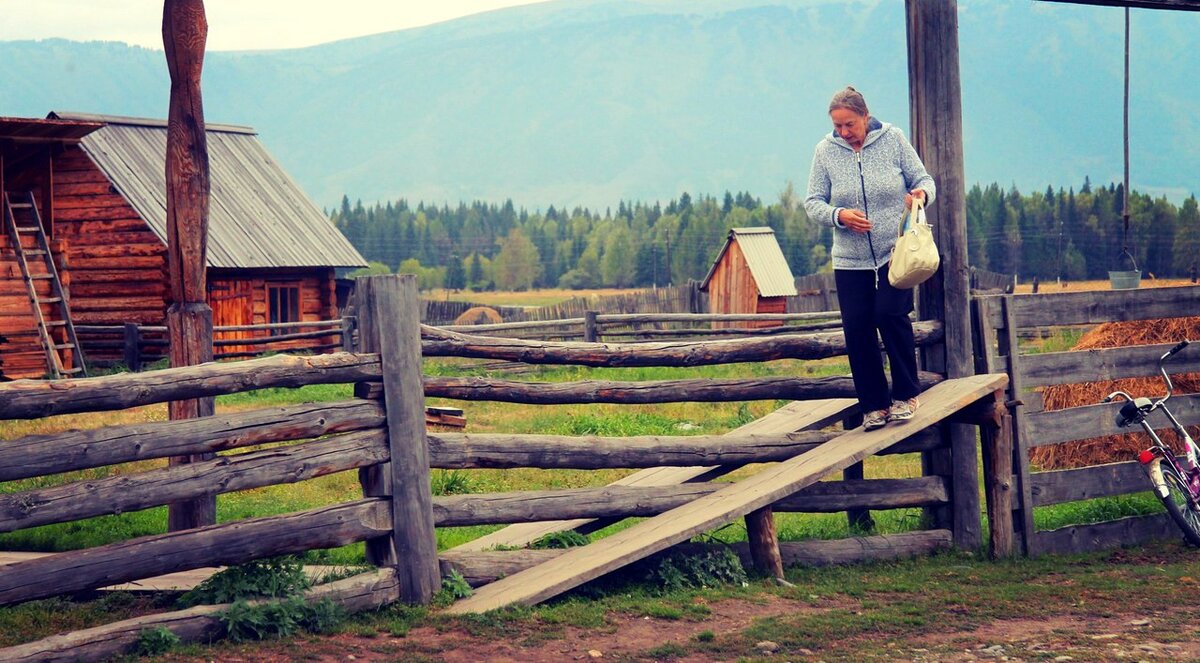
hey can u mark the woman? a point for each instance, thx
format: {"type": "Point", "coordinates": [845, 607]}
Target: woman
{"type": "Point", "coordinates": [864, 176]}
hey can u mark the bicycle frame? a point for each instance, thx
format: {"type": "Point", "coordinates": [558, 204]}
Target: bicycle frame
{"type": "Point", "coordinates": [1138, 410]}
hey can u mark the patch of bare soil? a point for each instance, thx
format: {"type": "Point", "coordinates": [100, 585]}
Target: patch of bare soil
{"type": "Point", "coordinates": [1060, 638]}
{"type": "Point", "coordinates": [624, 637]}
{"type": "Point", "coordinates": [1167, 636]}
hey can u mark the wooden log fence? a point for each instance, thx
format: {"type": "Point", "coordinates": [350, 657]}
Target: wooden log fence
{"type": "Point", "coordinates": [383, 438]}
{"type": "Point", "coordinates": [1000, 320]}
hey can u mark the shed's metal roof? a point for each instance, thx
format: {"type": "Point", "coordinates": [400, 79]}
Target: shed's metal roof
{"type": "Point", "coordinates": [23, 129]}
{"type": "Point", "coordinates": [257, 218]}
{"type": "Point", "coordinates": [769, 268]}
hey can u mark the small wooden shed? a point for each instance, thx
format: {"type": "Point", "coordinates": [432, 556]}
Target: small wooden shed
{"type": "Point", "coordinates": [95, 185]}
{"type": "Point", "coordinates": [750, 275]}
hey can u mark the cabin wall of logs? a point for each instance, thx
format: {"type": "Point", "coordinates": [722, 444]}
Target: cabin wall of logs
{"type": "Point", "coordinates": [1001, 321]}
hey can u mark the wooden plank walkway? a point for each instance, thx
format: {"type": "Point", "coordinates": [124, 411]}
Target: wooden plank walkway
{"type": "Point", "coordinates": [580, 565]}
{"type": "Point", "coordinates": [793, 417]}
{"type": "Point", "coordinates": [172, 582]}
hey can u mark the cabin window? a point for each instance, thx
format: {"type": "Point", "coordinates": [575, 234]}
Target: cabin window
{"type": "Point", "coordinates": [284, 302]}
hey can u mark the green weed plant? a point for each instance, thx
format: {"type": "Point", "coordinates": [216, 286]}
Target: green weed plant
{"type": "Point", "coordinates": [276, 577]}
{"type": "Point", "coordinates": [155, 641]}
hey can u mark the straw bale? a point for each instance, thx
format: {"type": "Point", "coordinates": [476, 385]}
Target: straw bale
{"type": "Point", "coordinates": [479, 315]}
{"type": "Point", "coordinates": [1115, 448]}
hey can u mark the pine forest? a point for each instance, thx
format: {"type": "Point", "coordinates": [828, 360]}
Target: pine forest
{"type": "Point", "coordinates": [1068, 234]}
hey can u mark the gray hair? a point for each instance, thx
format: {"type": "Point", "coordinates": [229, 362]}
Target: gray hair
{"type": "Point", "coordinates": [850, 99]}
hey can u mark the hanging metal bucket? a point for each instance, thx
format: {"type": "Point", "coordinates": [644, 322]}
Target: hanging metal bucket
{"type": "Point", "coordinates": [1125, 280]}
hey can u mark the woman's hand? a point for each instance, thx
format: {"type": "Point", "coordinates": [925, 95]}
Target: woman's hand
{"type": "Point", "coordinates": [855, 220]}
{"type": "Point", "coordinates": [915, 193]}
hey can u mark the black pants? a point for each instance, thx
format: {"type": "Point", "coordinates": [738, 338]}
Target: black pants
{"type": "Point", "coordinates": [870, 303]}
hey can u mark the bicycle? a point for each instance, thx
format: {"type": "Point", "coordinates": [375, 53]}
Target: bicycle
{"type": "Point", "coordinates": [1176, 484]}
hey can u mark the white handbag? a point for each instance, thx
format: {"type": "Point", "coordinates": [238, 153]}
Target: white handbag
{"type": "Point", "coordinates": [915, 257]}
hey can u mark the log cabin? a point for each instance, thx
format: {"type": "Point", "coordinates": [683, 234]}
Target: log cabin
{"type": "Point", "coordinates": [92, 189]}
{"type": "Point", "coordinates": [750, 275]}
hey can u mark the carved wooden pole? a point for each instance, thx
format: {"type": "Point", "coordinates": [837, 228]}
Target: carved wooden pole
{"type": "Point", "coordinates": [189, 319]}
{"type": "Point", "coordinates": [935, 102]}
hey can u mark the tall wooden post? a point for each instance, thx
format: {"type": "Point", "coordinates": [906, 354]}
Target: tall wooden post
{"type": "Point", "coordinates": [935, 103]}
{"type": "Point", "coordinates": [390, 324]}
{"type": "Point", "coordinates": [189, 319]}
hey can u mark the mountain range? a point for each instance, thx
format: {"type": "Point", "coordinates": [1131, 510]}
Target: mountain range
{"type": "Point", "coordinates": [588, 102]}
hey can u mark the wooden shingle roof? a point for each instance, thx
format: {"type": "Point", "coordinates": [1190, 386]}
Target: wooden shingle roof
{"type": "Point", "coordinates": [770, 270]}
{"type": "Point", "coordinates": [258, 217]}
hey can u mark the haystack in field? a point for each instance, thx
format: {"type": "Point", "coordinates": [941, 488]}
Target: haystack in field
{"type": "Point", "coordinates": [1114, 448]}
{"type": "Point", "coordinates": [479, 315]}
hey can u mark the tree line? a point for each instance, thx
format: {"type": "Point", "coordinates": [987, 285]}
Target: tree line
{"type": "Point", "coordinates": [1053, 234]}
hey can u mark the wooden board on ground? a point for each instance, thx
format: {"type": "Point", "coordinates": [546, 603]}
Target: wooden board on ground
{"type": "Point", "coordinates": [793, 417]}
{"type": "Point", "coordinates": [171, 582]}
{"type": "Point", "coordinates": [580, 565]}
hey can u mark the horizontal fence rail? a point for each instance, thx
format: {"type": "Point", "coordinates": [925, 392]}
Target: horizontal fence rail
{"type": "Point", "coordinates": [226, 544]}
{"type": "Point", "coordinates": [704, 390]}
{"type": "Point", "coordinates": [1077, 366]}
{"type": "Point", "coordinates": [28, 399]}
{"type": "Point", "coordinates": [39, 455]}
{"type": "Point", "coordinates": [1097, 306]}
{"type": "Point", "coordinates": [495, 451]}
{"type": "Point", "coordinates": [440, 343]}
{"type": "Point", "coordinates": [135, 345]}
{"type": "Point", "coordinates": [224, 474]}
{"type": "Point", "coordinates": [639, 501]}
{"type": "Point", "coordinates": [1088, 421]}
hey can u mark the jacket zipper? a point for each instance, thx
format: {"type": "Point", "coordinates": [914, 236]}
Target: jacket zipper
{"type": "Point", "coordinates": [863, 183]}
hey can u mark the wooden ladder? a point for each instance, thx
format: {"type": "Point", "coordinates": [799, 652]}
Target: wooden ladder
{"type": "Point", "coordinates": [31, 224]}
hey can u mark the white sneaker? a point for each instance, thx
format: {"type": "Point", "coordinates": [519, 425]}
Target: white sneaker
{"type": "Point", "coordinates": [903, 410]}
{"type": "Point", "coordinates": [875, 419]}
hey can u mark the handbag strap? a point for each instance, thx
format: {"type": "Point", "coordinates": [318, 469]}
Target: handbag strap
{"type": "Point", "coordinates": [910, 214]}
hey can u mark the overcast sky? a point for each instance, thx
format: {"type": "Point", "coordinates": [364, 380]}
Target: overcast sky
{"type": "Point", "coordinates": [232, 24]}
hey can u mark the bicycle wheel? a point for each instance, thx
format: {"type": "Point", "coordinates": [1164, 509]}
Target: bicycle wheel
{"type": "Point", "coordinates": [1179, 504]}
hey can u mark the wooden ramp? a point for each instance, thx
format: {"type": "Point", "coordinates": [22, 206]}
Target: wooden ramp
{"type": "Point", "coordinates": [580, 565]}
{"type": "Point", "coordinates": [793, 417]}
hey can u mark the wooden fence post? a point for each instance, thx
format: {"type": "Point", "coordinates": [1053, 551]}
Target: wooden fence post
{"type": "Point", "coordinates": [764, 543]}
{"type": "Point", "coordinates": [347, 333]}
{"type": "Point", "coordinates": [389, 323]}
{"type": "Point", "coordinates": [189, 318]}
{"type": "Point", "coordinates": [935, 104]}
{"type": "Point", "coordinates": [859, 518]}
{"type": "Point", "coordinates": [998, 480]}
{"type": "Point", "coordinates": [589, 327]}
{"type": "Point", "coordinates": [133, 347]}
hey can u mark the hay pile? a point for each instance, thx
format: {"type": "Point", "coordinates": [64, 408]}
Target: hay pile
{"type": "Point", "coordinates": [1115, 448]}
{"type": "Point", "coordinates": [479, 315]}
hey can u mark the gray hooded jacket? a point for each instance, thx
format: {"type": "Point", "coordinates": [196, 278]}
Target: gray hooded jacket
{"type": "Point", "coordinates": [874, 180]}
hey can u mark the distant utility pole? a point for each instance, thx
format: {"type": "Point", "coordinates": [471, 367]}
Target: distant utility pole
{"type": "Point", "coordinates": [654, 265]}
{"type": "Point", "coordinates": [1060, 241]}
{"type": "Point", "coordinates": [668, 261]}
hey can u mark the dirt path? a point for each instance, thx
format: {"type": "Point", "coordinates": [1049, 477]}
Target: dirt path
{"type": "Point", "coordinates": [720, 636]}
